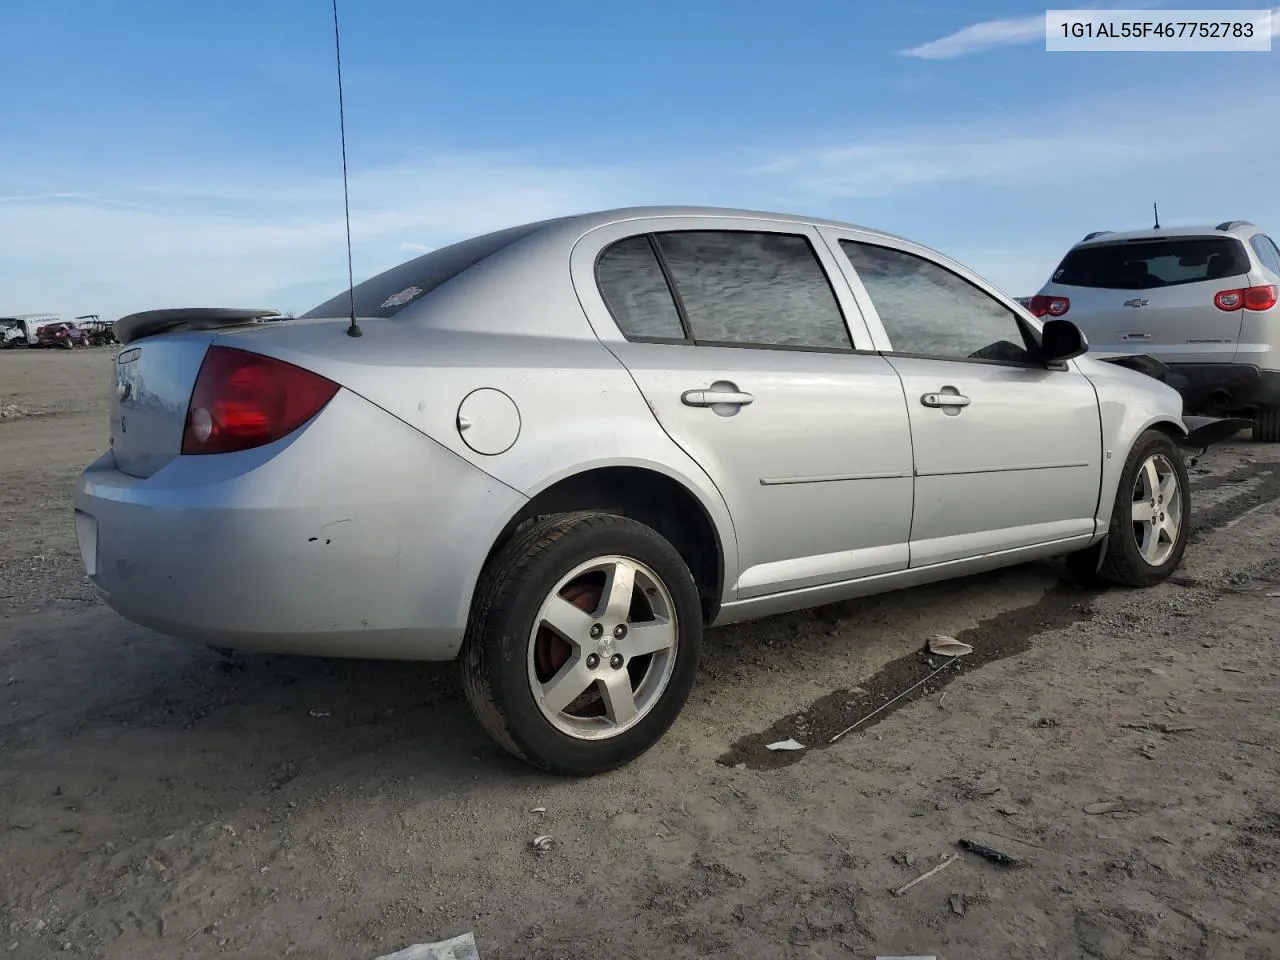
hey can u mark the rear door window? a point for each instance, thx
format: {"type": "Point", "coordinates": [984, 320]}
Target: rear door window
{"type": "Point", "coordinates": [722, 288]}
{"type": "Point", "coordinates": [748, 288]}
{"type": "Point", "coordinates": [1266, 250]}
{"type": "Point", "coordinates": [1152, 264]}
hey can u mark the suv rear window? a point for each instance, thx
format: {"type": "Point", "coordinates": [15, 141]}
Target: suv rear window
{"type": "Point", "coordinates": [1149, 264]}
{"type": "Point", "coordinates": [391, 291]}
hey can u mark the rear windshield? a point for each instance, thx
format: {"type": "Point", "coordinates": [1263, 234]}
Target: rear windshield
{"type": "Point", "coordinates": [1148, 264]}
{"type": "Point", "coordinates": [392, 290]}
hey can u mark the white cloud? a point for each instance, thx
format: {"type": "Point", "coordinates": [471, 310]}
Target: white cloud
{"type": "Point", "coordinates": [1059, 147]}
{"type": "Point", "coordinates": [1275, 22]}
{"type": "Point", "coordinates": [29, 197]}
{"type": "Point", "coordinates": [1007, 196]}
{"type": "Point", "coordinates": [270, 242]}
{"type": "Point", "coordinates": [981, 36]}
{"type": "Point", "coordinates": [274, 239]}
{"type": "Point", "coordinates": [1012, 31]}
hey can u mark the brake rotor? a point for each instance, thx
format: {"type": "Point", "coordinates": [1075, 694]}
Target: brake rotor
{"type": "Point", "coordinates": [552, 651]}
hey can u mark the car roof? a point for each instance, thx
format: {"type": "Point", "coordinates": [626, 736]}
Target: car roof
{"type": "Point", "coordinates": [598, 218]}
{"type": "Point", "coordinates": [1240, 229]}
{"type": "Point", "coordinates": [550, 236]}
{"type": "Point", "coordinates": [536, 250]}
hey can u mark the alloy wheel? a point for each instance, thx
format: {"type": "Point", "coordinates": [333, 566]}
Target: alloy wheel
{"type": "Point", "coordinates": [603, 647]}
{"type": "Point", "coordinates": [1157, 509]}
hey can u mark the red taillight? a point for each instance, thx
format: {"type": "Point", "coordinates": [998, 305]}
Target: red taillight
{"type": "Point", "coordinates": [243, 400]}
{"type": "Point", "coordinates": [1260, 298]}
{"type": "Point", "coordinates": [1042, 306]}
{"type": "Point", "coordinates": [1251, 298]}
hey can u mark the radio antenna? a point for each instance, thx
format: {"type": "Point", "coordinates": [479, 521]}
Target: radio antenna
{"type": "Point", "coordinates": [353, 330]}
{"type": "Point", "coordinates": [1156, 210]}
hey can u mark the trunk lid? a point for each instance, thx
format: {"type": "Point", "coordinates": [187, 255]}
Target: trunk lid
{"type": "Point", "coordinates": [153, 383]}
{"type": "Point", "coordinates": [156, 369]}
{"type": "Point", "coordinates": [1156, 296]}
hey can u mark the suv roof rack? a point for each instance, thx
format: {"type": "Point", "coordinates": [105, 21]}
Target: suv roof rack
{"type": "Point", "coordinates": [1096, 233]}
{"type": "Point", "coordinates": [1232, 224]}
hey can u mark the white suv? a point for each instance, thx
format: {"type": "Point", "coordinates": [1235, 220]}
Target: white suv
{"type": "Point", "coordinates": [1202, 300]}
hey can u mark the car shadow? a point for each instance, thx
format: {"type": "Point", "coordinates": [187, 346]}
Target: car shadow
{"type": "Point", "coordinates": [250, 724]}
{"type": "Point", "coordinates": [107, 714]}
{"type": "Point", "coordinates": [133, 716]}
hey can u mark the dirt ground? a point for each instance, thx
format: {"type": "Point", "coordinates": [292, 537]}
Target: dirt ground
{"type": "Point", "coordinates": [159, 800]}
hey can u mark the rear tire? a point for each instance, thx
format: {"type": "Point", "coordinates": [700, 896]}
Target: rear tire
{"type": "Point", "coordinates": [1151, 518]}
{"type": "Point", "coordinates": [1266, 425]}
{"type": "Point", "coordinates": [626, 636]}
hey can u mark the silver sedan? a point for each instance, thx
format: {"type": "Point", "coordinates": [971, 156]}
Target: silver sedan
{"type": "Point", "coordinates": [561, 451]}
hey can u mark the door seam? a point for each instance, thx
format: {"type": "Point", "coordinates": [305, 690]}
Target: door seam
{"type": "Point", "coordinates": [911, 444]}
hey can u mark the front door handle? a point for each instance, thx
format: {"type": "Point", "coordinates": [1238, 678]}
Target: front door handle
{"type": "Point", "coordinates": [713, 398]}
{"type": "Point", "coordinates": [944, 400]}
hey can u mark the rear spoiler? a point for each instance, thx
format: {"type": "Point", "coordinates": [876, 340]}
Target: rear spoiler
{"type": "Point", "coordinates": [150, 322]}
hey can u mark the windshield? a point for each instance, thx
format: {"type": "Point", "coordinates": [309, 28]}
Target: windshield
{"type": "Point", "coordinates": [1150, 264]}
{"type": "Point", "coordinates": [391, 291]}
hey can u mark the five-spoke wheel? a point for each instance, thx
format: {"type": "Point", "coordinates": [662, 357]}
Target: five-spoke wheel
{"type": "Point", "coordinates": [1151, 516]}
{"type": "Point", "coordinates": [603, 647]}
{"type": "Point", "coordinates": [583, 642]}
{"type": "Point", "coordinates": [1157, 509]}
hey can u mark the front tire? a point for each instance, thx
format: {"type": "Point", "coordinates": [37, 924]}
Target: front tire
{"type": "Point", "coordinates": [1151, 518]}
{"type": "Point", "coordinates": [583, 642]}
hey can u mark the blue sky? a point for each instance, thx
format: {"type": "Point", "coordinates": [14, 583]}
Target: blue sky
{"type": "Point", "coordinates": [171, 154]}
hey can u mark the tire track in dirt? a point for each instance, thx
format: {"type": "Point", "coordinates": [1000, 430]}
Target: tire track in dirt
{"type": "Point", "coordinates": [1007, 634]}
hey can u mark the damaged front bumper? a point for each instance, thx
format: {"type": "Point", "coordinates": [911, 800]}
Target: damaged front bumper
{"type": "Point", "coordinates": [1202, 432]}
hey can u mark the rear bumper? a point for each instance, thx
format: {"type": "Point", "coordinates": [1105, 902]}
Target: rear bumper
{"type": "Point", "coordinates": [1225, 388]}
{"type": "Point", "coordinates": [355, 537]}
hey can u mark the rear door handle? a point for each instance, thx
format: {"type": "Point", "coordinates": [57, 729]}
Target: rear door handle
{"type": "Point", "coordinates": [944, 400]}
{"type": "Point", "coordinates": [713, 398]}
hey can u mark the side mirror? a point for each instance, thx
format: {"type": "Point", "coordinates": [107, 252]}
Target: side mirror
{"type": "Point", "coordinates": [1061, 340]}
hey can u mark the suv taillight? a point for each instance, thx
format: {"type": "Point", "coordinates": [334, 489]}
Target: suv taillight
{"type": "Point", "coordinates": [243, 400]}
{"type": "Point", "coordinates": [1042, 306]}
{"type": "Point", "coordinates": [1251, 298]}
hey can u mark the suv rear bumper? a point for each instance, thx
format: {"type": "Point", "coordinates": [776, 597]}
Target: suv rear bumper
{"type": "Point", "coordinates": [1224, 388]}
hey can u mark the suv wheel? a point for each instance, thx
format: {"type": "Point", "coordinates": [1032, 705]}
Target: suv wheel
{"type": "Point", "coordinates": [583, 642]}
{"type": "Point", "coordinates": [1266, 425]}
